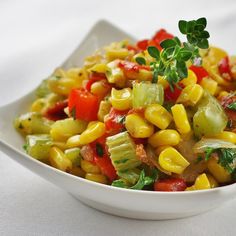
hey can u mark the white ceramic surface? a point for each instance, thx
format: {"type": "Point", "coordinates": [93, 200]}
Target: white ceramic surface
{"type": "Point", "coordinates": [121, 202]}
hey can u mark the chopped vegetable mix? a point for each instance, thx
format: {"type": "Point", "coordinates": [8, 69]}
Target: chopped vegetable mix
{"type": "Point", "coordinates": [158, 115]}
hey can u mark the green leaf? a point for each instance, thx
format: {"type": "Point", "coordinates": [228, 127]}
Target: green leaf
{"type": "Point", "coordinates": [202, 21]}
{"type": "Point", "coordinates": [143, 181]}
{"type": "Point", "coordinates": [203, 44]}
{"type": "Point", "coordinates": [140, 60]}
{"type": "Point", "coordinates": [190, 26]}
{"type": "Point", "coordinates": [232, 106]}
{"type": "Point", "coordinates": [183, 26]}
{"type": "Point", "coordinates": [204, 34]}
{"type": "Point", "coordinates": [155, 77]}
{"type": "Point", "coordinates": [199, 27]}
{"type": "Point", "coordinates": [168, 43]}
{"type": "Point", "coordinates": [154, 52]}
{"type": "Point", "coordinates": [208, 152]}
{"type": "Point", "coordinates": [119, 183]}
{"type": "Point", "coordinates": [182, 69]}
{"type": "Point", "coordinates": [176, 39]}
{"type": "Point", "coordinates": [184, 54]}
{"type": "Point", "coordinates": [227, 157]}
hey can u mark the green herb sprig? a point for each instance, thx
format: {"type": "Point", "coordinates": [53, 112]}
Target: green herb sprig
{"type": "Point", "coordinates": [170, 62]}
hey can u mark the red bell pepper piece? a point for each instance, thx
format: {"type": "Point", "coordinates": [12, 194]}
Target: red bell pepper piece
{"type": "Point", "coordinates": [56, 112]}
{"type": "Point", "coordinates": [83, 105]}
{"type": "Point", "coordinates": [102, 159]}
{"type": "Point", "coordinates": [142, 44]}
{"type": "Point", "coordinates": [114, 122]}
{"type": "Point", "coordinates": [224, 66]}
{"type": "Point", "coordinates": [199, 71]}
{"type": "Point", "coordinates": [173, 95]}
{"type": "Point", "coordinates": [170, 185]}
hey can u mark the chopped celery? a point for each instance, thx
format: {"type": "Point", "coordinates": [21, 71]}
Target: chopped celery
{"type": "Point", "coordinates": [74, 155]}
{"type": "Point", "coordinates": [122, 150]}
{"type": "Point", "coordinates": [210, 118]}
{"type": "Point", "coordinates": [43, 89]}
{"type": "Point", "coordinates": [146, 93]}
{"type": "Point", "coordinates": [32, 123]}
{"type": "Point", "coordinates": [131, 176]}
{"type": "Point", "coordinates": [38, 146]}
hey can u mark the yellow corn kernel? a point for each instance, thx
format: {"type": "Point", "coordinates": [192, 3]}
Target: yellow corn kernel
{"type": "Point", "coordinates": [214, 55]}
{"type": "Point", "coordinates": [226, 136]}
{"type": "Point", "coordinates": [58, 160]}
{"type": "Point", "coordinates": [99, 88]}
{"type": "Point", "coordinates": [95, 130]}
{"type": "Point", "coordinates": [115, 75]}
{"type": "Point", "coordinates": [77, 171]}
{"type": "Point", "coordinates": [181, 118]}
{"type": "Point", "coordinates": [61, 145]}
{"type": "Point", "coordinates": [138, 127]}
{"type": "Point", "coordinates": [144, 75]}
{"type": "Point", "coordinates": [213, 182]}
{"type": "Point", "coordinates": [99, 68]}
{"type": "Point", "coordinates": [59, 72]}
{"type": "Point", "coordinates": [103, 110]}
{"type": "Point", "coordinates": [163, 82]}
{"type": "Point", "coordinates": [190, 95]}
{"type": "Point", "coordinates": [121, 99]}
{"type": "Point", "coordinates": [96, 178]}
{"type": "Point", "coordinates": [158, 115]}
{"type": "Point", "coordinates": [209, 84]}
{"type": "Point", "coordinates": [218, 172]}
{"type": "Point", "coordinates": [73, 141]}
{"type": "Point", "coordinates": [168, 137]}
{"type": "Point", "coordinates": [202, 182]}
{"type": "Point", "coordinates": [89, 167]}
{"type": "Point", "coordinates": [222, 94]}
{"type": "Point", "coordinates": [38, 105]}
{"type": "Point", "coordinates": [171, 160]}
{"type": "Point", "coordinates": [190, 80]}
{"type": "Point", "coordinates": [61, 130]}
{"type": "Point", "coordinates": [112, 54]}
{"type": "Point", "coordinates": [160, 149]}
{"type": "Point", "coordinates": [78, 74]}
{"type": "Point", "coordinates": [61, 85]}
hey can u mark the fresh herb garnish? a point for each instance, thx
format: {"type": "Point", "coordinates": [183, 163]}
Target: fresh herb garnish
{"type": "Point", "coordinates": [232, 106]}
{"type": "Point", "coordinates": [99, 150]}
{"type": "Point", "coordinates": [170, 62]}
{"type": "Point", "coordinates": [142, 181]}
{"type": "Point", "coordinates": [140, 60]}
{"type": "Point", "coordinates": [227, 156]}
{"type": "Point", "coordinates": [121, 119]}
{"type": "Point", "coordinates": [208, 152]}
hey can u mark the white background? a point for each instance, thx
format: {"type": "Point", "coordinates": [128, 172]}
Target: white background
{"type": "Point", "coordinates": [35, 37]}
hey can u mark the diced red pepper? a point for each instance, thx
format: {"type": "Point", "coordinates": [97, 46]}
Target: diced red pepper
{"type": "Point", "coordinates": [224, 68]}
{"type": "Point", "coordinates": [56, 112]}
{"type": "Point", "coordinates": [173, 95]}
{"type": "Point", "coordinates": [225, 102]}
{"type": "Point", "coordinates": [170, 185]}
{"type": "Point", "coordinates": [114, 122]}
{"type": "Point", "coordinates": [142, 44]}
{"type": "Point", "coordinates": [102, 159]}
{"type": "Point", "coordinates": [83, 105]}
{"type": "Point", "coordinates": [160, 36]}
{"type": "Point", "coordinates": [131, 69]}
{"type": "Point", "coordinates": [199, 71]}
{"type": "Point", "coordinates": [132, 48]}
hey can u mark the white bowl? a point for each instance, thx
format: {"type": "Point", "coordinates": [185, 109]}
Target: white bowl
{"type": "Point", "coordinates": [122, 202]}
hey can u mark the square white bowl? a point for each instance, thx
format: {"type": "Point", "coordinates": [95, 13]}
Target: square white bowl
{"type": "Point", "coordinates": [117, 201]}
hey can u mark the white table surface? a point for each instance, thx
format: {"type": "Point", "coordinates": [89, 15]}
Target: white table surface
{"type": "Point", "coordinates": [36, 36]}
